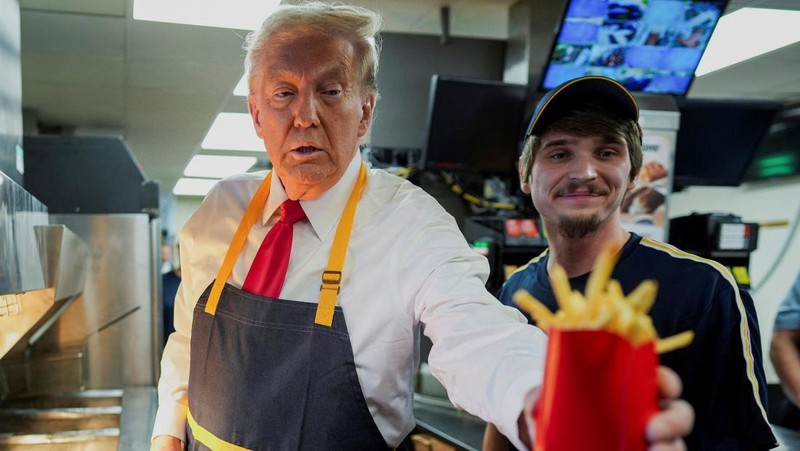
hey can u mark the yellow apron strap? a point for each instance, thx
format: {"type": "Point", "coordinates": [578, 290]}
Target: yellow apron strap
{"type": "Point", "coordinates": [205, 437]}
{"type": "Point", "coordinates": [251, 215]}
{"type": "Point", "coordinates": [332, 276]}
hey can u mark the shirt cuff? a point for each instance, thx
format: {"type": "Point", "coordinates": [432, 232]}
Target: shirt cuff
{"type": "Point", "coordinates": [787, 320]}
{"type": "Point", "coordinates": [170, 420]}
{"type": "Point", "coordinates": [515, 402]}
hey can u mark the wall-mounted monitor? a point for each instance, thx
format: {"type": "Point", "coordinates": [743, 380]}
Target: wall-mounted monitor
{"type": "Point", "coordinates": [717, 139]}
{"type": "Point", "coordinates": [651, 46]}
{"type": "Point", "coordinates": [778, 155]}
{"type": "Point", "coordinates": [474, 126]}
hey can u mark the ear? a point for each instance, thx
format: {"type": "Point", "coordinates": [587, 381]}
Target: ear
{"type": "Point", "coordinates": [632, 184]}
{"type": "Point", "coordinates": [525, 185]}
{"type": "Point", "coordinates": [367, 108]}
{"type": "Point", "coordinates": [252, 107]}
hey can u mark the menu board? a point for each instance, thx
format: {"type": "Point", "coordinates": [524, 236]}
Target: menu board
{"type": "Point", "coordinates": [644, 208]}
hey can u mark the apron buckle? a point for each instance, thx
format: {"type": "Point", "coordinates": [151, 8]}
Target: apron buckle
{"type": "Point", "coordinates": [331, 280]}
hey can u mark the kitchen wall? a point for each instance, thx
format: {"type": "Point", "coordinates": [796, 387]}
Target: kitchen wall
{"type": "Point", "coordinates": [776, 262]}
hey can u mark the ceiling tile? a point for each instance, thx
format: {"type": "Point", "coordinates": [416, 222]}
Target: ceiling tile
{"type": "Point", "coordinates": [92, 7]}
{"type": "Point", "coordinates": [72, 34]}
{"type": "Point", "coordinates": [174, 42]}
{"type": "Point", "coordinates": [85, 70]}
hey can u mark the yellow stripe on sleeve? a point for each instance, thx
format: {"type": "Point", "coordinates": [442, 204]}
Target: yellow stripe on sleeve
{"type": "Point", "coordinates": [744, 329]}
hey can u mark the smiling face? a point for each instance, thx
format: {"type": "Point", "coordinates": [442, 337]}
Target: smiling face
{"type": "Point", "coordinates": [309, 109]}
{"type": "Point", "coordinates": [577, 183]}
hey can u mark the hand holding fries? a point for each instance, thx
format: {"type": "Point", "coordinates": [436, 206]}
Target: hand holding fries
{"type": "Point", "coordinates": [600, 385]}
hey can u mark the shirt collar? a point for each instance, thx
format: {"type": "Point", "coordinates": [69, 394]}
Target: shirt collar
{"type": "Point", "coordinates": [323, 212]}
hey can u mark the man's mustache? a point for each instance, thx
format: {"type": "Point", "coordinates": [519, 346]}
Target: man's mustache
{"type": "Point", "coordinates": [583, 187]}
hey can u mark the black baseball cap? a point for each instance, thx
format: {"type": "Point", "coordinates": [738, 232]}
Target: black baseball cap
{"type": "Point", "coordinates": [567, 96]}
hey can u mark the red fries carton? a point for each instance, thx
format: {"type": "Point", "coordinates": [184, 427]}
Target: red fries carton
{"type": "Point", "coordinates": [599, 392]}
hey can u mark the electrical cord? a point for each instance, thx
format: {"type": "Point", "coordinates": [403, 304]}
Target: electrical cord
{"type": "Point", "coordinates": [456, 188]}
{"type": "Point", "coordinates": [777, 261]}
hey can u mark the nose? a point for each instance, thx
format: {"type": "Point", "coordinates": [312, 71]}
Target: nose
{"type": "Point", "coordinates": [583, 168]}
{"type": "Point", "coordinates": [305, 111]}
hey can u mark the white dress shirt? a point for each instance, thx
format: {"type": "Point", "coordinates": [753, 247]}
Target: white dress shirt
{"type": "Point", "coordinates": [407, 266]}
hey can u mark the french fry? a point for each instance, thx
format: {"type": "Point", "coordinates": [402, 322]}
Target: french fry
{"type": "Point", "coordinates": [643, 297]}
{"type": "Point", "coordinates": [561, 289]}
{"type": "Point", "coordinates": [601, 273]}
{"type": "Point", "coordinates": [604, 306]}
{"type": "Point", "coordinates": [642, 330]}
{"type": "Point", "coordinates": [538, 311]}
{"type": "Point", "coordinates": [578, 305]}
{"type": "Point", "coordinates": [674, 342]}
{"type": "Point", "coordinates": [614, 290]}
{"type": "Point", "coordinates": [624, 319]}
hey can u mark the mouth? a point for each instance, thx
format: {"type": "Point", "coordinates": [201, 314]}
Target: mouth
{"type": "Point", "coordinates": [306, 150]}
{"type": "Point", "coordinates": [580, 194]}
{"type": "Point", "coordinates": [573, 191]}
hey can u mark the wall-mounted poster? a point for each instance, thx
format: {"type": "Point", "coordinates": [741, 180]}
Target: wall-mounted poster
{"type": "Point", "coordinates": [644, 209]}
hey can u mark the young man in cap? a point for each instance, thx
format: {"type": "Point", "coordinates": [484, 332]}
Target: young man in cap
{"type": "Point", "coordinates": [581, 155]}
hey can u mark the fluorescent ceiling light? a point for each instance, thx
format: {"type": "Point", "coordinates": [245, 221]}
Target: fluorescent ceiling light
{"type": "Point", "coordinates": [232, 131]}
{"type": "Point", "coordinates": [242, 89]}
{"type": "Point", "coordinates": [217, 166]}
{"type": "Point", "coordinates": [193, 187]}
{"type": "Point", "coordinates": [240, 14]}
{"type": "Point", "coordinates": [747, 33]}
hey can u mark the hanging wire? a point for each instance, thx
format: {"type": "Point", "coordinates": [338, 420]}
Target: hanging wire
{"type": "Point", "coordinates": [777, 261]}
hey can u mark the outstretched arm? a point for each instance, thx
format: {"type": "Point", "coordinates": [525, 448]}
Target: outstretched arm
{"type": "Point", "coordinates": [785, 357]}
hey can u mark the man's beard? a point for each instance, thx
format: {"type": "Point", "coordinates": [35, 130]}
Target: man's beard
{"type": "Point", "coordinates": [580, 227]}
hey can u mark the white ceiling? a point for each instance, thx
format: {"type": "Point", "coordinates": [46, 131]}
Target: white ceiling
{"type": "Point", "coordinates": [88, 68]}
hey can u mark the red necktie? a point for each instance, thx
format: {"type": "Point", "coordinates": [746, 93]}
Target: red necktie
{"type": "Point", "coordinates": [268, 270]}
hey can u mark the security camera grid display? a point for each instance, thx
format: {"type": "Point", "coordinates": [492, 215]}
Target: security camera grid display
{"type": "Point", "coordinates": [649, 46]}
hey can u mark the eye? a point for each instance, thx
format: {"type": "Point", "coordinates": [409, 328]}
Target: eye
{"type": "Point", "coordinates": [283, 93]}
{"type": "Point", "coordinates": [609, 152]}
{"type": "Point", "coordinates": [333, 92]}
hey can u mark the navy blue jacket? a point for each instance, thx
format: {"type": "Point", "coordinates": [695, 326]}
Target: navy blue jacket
{"type": "Point", "coordinates": [721, 370]}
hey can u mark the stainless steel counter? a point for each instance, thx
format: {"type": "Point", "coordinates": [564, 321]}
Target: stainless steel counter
{"type": "Point", "coordinates": [436, 416]}
{"type": "Point", "coordinates": [441, 419]}
{"type": "Point", "coordinates": [138, 413]}
{"type": "Point", "coordinates": [788, 439]}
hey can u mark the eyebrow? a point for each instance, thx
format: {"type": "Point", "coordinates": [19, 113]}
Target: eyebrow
{"type": "Point", "coordinates": [571, 141]}
{"type": "Point", "coordinates": [559, 142]}
{"type": "Point", "coordinates": [324, 73]}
